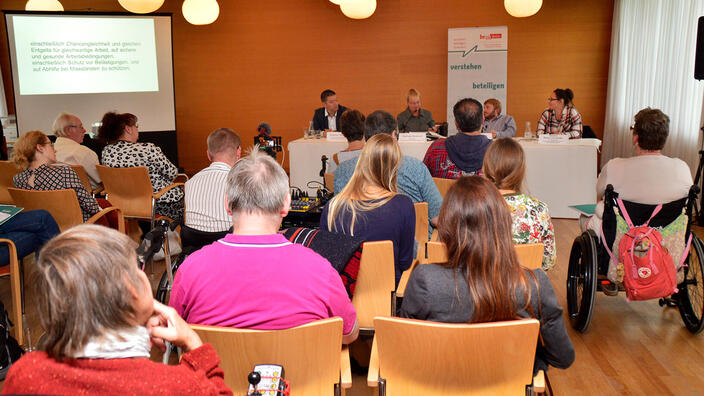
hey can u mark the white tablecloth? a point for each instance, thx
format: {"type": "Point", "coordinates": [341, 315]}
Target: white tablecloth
{"type": "Point", "coordinates": [559, 175]}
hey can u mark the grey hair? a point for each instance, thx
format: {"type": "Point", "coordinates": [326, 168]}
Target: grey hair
{"type": "Point", "coordinates": [379, 121]}
{"type": "Point", "coordinates": [61, 122]}
{"type": "Point", "coordinates": [256, 184]}
{"type": "Point", "coordinates": [223, 140]}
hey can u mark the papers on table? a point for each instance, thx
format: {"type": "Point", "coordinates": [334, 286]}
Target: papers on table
{"type": "Point", "coordinates": [412, 137]}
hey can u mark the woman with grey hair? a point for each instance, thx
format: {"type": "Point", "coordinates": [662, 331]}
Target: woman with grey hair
{"type": "Point", "coordinates": [101, 321]}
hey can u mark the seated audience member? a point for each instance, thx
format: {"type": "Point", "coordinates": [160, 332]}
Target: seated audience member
{"type": "Point", "coordinates": [483, 280]}
{"type": "Point", "coordinates": [414, 178]}
{"type": "Point", "coordinates": [255, 278]}
{"type": "Point", "coordinates": [36, 155]}
{"type": "Point", "coordinates": [649, 177]}
{"type": "Point", "coordinates": [369, 206]}
{"type": "Point", "coordinates": [121, 132]}
{"type": "Point", "coordinates": [561, 117]}
{"type": "Point", "coordinates": [327, 118]}
{"type": "Point", "coordinates": [29, 231]}
{"type": "Point", "coordinates": [497, 124]}
{"type": "Point", "coordinates": [415, 119]}
{"type": "Point", "coordinates": [352, 128]}
{"type": "Point", "coordinates": [69, 135]}
{"type": "Point", "coordinates": [205, 191]}
{"type": "Point", "coordinates": [99, 340]}
{"type": "Point", "coordinates": [461, 154]}
{"type": "Point", "coordinates": [505, 166]}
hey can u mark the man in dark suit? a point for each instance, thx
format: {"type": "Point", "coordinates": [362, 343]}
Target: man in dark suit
{"type": "Point", "coordinates": [327, 118]}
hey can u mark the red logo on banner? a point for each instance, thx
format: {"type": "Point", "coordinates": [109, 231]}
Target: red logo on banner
{"type": "Point", "coordinates": [490, 36]}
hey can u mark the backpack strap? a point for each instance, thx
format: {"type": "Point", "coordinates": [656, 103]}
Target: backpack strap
{"type": "Point", "coordinates": [686, 250]}
{"type": "Point", "coordinates": [626, 217]}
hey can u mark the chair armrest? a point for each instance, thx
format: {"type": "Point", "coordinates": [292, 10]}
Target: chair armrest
{"type": "Point", "coordinates": [98, 190]}
{"type": "Point", "coordinates": [435, 236]}
{"type": "Point", "coordinates": [181, 176]}
{"type": "Point", "coordinates": [345, 368]}
{"type": "Point", "coordinates": [539, 382]}
{"type": "Point", "coordinates": [373, 375]}
{"type": "Point", "coordinates": [104, 212]}
{"type": "Point", "coordinates": [165, 190]}
{"type": "Point", "coordinates": [406, 275]}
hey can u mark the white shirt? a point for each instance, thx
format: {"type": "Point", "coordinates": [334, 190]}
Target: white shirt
{"type": "Point", "coordinates": [72, 153]}
{"type": "Point", "coordinates": [205, 199]}
{"type": "Point", "coordinates": [332, 122]}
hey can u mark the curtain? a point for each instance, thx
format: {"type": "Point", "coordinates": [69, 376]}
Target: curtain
{"type": "Point", "coordinates": [652, 65]}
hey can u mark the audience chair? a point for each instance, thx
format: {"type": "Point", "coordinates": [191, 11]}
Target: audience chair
{"type": "Point", "coordinates": [329, 179]}
{"type": "Point", "coordinates": [422, 230]}
{"type": "Point", "coordinates": [7, 171]}
{"type": "Point", "coordinates": [16, 290]}
{"type": "Point", "coordinates": [530, 255]}
{"type": "Point", "coordinates": [314, 360]}
{"type": "Point", "coordinates": [415, 357]}
{"type": "Point", "coordinates": [85, 180]}
{"type": "Point", "coordinates": [374, 293]}
{"type": "Point", "coordinates": [130, 189]}
{"type": "Point", "coordinates": [63, 206]}
{"type": "Point", "coordinates": [444, 185]}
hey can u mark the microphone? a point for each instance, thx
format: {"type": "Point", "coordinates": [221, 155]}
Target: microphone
{"type": "Point", "coordinates": [264, 129]}
{"type": "Point", "coordinates": [324, 160]}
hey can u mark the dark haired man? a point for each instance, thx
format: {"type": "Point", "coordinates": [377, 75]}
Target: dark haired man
{"type": "Point", "coordinates": [327, 118]}
{"type": "Point", "coordinates": [462, 154]}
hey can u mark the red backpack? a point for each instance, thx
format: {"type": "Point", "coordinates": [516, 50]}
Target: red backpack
{"type": "Point", "coordinates": [649, 271]}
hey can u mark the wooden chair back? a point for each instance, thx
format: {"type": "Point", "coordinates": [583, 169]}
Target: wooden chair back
{"type": "Point", "coordinates": [61, 204]}
{"type": "Point", "coordinates": [329, 181]}
{"type": "Point", "coordinates": [7, 171]}
{"type": "Point", "coordinates": [310, 354]}
{"type": "Point", "coordinates": [422, 227]}
{"type": "Point", "coordinates": [444, 185]}
{"type": "Point", "coordinates": [85, 180]}
{"type": "Point", "coordinates": [13, 271]}
{"type": "Point", "coordinates": [130, 189]}
{"type": "Point", "coordinates": [375, 283]}
{"type": "Point", "coordinates": [530, 255]}
{"type": "Point", "coordinates": [428, 358]}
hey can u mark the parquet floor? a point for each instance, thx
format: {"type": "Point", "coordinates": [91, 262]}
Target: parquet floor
{"type": "Point", "coordinates": [631, 348]}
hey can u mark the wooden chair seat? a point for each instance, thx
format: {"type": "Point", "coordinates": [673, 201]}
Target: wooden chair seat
{"type": "Point", "coordinates": [312, 355]}
{"type": "Point", "coordinates": [62, 205]}
{"type": "Point", "coordinates": [415, 357]}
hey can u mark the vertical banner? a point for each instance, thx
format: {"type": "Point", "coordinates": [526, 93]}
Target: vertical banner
{"type": "Point", "coordinates": [476, 66]}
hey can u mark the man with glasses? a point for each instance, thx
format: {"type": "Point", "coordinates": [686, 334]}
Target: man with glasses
{"type": "Point", "coordinates": [69, 133]}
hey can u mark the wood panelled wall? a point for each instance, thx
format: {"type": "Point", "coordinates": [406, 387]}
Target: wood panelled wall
{"type": "Point", "coordinates": [269, 60]}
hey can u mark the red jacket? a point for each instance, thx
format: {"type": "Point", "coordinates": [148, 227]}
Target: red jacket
{"type": "Point", "coordinates": [198, 373]}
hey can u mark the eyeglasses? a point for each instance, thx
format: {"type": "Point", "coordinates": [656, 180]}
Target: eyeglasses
{"type": "Point", "coordinates": [49, 143]}
{"type": "Point", "coordinates": [552, 99]}
{"type": "Point", "coordinates": [75, 126]}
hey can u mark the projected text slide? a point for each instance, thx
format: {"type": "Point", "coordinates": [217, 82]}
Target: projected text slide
{"type": "Point", "coordinates": [55, 56]}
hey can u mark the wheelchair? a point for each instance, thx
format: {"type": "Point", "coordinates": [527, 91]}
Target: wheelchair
{"type": "Point", "coordinates": [589, 263]}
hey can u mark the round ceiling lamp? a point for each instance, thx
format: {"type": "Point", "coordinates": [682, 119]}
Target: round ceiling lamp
{"type": "Point", "coordinates": [200, 12]}
{"type": "Point", "coordinates": [141, 6]}
{"type": "Point", "coordinates": [358, 9]}
{"type": "Point", "coordinates": [44, 5]}
{"type": "Point", "coordinates": [522, 8]}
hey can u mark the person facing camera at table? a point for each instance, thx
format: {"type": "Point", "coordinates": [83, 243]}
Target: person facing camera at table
{"type": "Point", "coordinates": [101, 320]}
{"type": "Point", "coordinates": [415, 119]}
{"type": "Point", "coordinates": [414, 179]}
{"type": "Point", "coordinates": [327, 118]}
{"type": "Point", "coordinates": [254, 278]}
{"type": "Point", "coordinates": [497, 124]}
{"type": "Point", "coordinates": [463, 153]}
{"type": "Point", "coordinates": [483, 281]}
{"type": "Point", "coordinates": [561, 117]}
{"type": "Point", "coordinates": [649, 177]}
{"type": "Point", "coordinates": [505, 166]}
{"type": "Point", "coordinates": [369, 206]}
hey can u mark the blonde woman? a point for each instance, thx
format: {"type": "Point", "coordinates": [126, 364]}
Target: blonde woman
{"type": "Point", "coordinates": [370, 207]}
{"type": "Point", "coordinates": [505, 166]}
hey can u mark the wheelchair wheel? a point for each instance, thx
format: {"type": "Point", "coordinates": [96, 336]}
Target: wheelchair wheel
{"type": "Point", "coordinates": [691, 290]}
{"type": "Point", "coordinates": [163, 291]}
{"type": "Point", "coordinates": [581, 280]}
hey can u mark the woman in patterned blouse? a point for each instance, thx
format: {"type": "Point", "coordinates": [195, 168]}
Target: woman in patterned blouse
{"type": "Point", "coordinates": [561, 118]}
{"type": "Point", "coordinates": [505, 166]}
{"type": "Point", "coordinates": [121, 132]}
{"type": "Point", "coordinates": [35, 153]}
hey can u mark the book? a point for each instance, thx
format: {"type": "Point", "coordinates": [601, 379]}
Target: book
{"type": "Point", "coordinates": [587, 209]}
{"type": "Point", "coordinates": [7, 212]}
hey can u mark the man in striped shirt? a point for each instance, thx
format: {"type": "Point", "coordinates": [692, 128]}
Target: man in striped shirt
{"type": "Point", "coordinates": [205, 192]}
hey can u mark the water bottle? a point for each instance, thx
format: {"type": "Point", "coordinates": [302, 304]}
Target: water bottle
{"type": "Point", "coordinates": [528, 133]}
